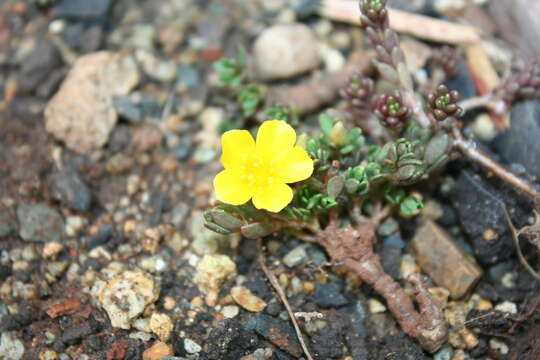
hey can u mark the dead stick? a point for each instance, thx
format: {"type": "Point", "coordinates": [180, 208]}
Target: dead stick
{"type": "Point", "coordinates": [273, 280]}
{"type": "Point", "coordinates": [515, 237]}
{"type": "Point", "coordinates": [470, 149]}
{"type": "Point", "coordinates": [423, 27]}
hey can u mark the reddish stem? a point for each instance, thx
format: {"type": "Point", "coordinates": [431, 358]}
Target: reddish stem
{"type": "Point", "coordinates": [353, 247]}
{"type": "Point", "coordinates": [470, 149]}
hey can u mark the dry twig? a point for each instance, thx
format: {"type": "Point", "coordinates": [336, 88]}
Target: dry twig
{"type": "Point", "coordinates": [273, 280]}
{"type": "Point", "coordinates": [515, 237]}
{"type": "Point", "coordinates": [470, 149]}
{"type": "Point", "coordinates": [420, 26]}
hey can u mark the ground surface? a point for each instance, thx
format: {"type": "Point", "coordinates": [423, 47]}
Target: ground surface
{"type": "Point", "coordinates": [101, 204]}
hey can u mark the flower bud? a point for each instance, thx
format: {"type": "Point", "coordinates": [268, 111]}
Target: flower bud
{"type": "Point", "coordinates": [338, 135]}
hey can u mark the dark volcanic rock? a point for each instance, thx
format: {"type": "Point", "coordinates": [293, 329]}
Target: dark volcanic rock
{"type": "Point", "coordinates": [70, 190]}
{"type": "Point", "coordinates": [521, 143]}
{"type": "Point", "coordinates": [230, 341]}
{"type": "Point", "coordinates": [329, 295]}
{"type": "Point", "coordinates": [83, 9]}
{"type": "Point", "coordinates": [37, 66]}
{"type": "Point", "coordinates": [278, 332]}
{"type": "Point", "coordinates": [399, 347]}
{"type": "Point", "coordinates": [479, 206]}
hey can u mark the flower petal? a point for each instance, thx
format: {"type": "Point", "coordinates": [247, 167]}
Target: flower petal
{"type": "Point", "coordinates": [236, 144]}
{"type": "Point", "coordinates": [296, 165]}
{"type": "Point", "coordinates": [273, 138]}
{"type": "Point", "coordinates": [230, 188]}
{"type": "Point", "coordinates": [274, 198]}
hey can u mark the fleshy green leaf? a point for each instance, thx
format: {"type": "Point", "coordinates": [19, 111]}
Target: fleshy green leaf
{"type": "Point", "coordinates": [411, 205]}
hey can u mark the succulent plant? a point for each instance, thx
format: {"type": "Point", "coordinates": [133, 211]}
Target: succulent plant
{"type": "Point", "coordinates": [443, 104]}
{"type": "Point", "coordinates": [391, 111]}
{"type": "Point", "coordinates": [447, 59]}
{"type": "Point", "coordinates": [523, 84]}
{"type": "Point", "coordinates": [359, 93]}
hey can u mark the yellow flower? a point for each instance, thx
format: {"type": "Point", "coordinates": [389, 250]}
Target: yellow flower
{"type": "Point", "coordinates": [261, 170]}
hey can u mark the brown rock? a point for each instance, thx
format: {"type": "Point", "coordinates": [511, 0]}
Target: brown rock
{"type": "Point", "coordinates": [443, 260]}
{"type": "Point", "coordinates": [82, 113]}
{"type": "Point", "coordinates": [63, 307]}
{"type": "Point", "coordinates": [146, 137]}
{"type": "Point", "coordinates": [158, 351]}
{"type": "Point", "coordinates": [119, 163]}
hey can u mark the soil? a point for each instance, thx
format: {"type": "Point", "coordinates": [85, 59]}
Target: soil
{"type": "Point", "coordinates": [137, 203]}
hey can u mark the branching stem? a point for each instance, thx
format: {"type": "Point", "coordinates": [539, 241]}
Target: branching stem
{"type": "Point", "coordinates": [470, 149]}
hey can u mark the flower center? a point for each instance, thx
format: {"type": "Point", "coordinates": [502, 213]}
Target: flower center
{"type": "Point", "coordinates": [258, 174]}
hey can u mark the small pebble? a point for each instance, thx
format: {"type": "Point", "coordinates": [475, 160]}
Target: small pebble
{"type": "Point", "coordinates": [48, 355]}
{"type": "Point", "coordinates": [245, 298]}
{"type": "Point", "coordinates": [408, 266]}
{"type": "Point", "coordinates": [158, 351]}
{"type": "Point", "coordinates": [375, 306]}
{"type": "Point", "coordinates": [52, 249]}
{"type": "Point", "coordinates": [169, 303]}
{"type": "Point", "coordinates": [507, 306]}
{"type": "Point", "coordinates": [296, 256]}
{"type": "Point", "coordinates": [483, 128]}
{"type": "Point", "coordinates": [161, 325]}
{"type": "Point", "coordinates": [212, 272]}
{"type": "Point", "coordinates": [499, 346]}
{"type": "Point", "coordinates": [191, 346]}
{"type": "Point", "coordinates": [230, 311]}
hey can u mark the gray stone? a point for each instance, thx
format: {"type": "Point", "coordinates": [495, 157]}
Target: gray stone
{"type": "Point", "coordinates": [283, 51]}
{"type": "Point", "coordinates": [38, 65]}
{"type": "Point", "coordinates": [10, 347]}
{"type": "Point", "coordinates": [127, 109]}
{"type": "Point", "coordinates": [83, 9]}
{"type": "Point", "coordinates": [520, 143]}
{"type": "Point", "coordinates": [39, 223]}
{"type": "Point", "coordinates": [295, 257]}
{"type": "Point", "coordinates": [329, 295]}
{"type": "Point", "coordinates": [6, 223]}
{"type": "Point", "coordinates": [70, 190]}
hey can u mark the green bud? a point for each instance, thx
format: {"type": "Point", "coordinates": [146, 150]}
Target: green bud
{"type": "Point", "coordinates": [224, 219]}
{"type": "Point", "coordinates": [312, 146]}
{"type": "Point", "coordinates": [314, 200]}
{"type": "Point", "coordinates": [259, 230]}
{"type": "Point", "coordinates": [302, 141]}
{"type": "Point", "coordinates": [408, 173]}
{"type": "Point", "coordinates": [411, 206]}
{"type": "Point", "coordinates": [436, 148]}
{"type": "Point", "coordinates": [216, 228]}
{"type": "Point", "coordinates": [326, 123]}
{"type": "Point", "coordinates": [335, 186]}
{"type": "Point", "coordinates": [352, 185]}
{"type": "Point", "coordinates": [338, 134]}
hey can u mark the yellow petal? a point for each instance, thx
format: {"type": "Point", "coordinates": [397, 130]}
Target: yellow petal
{"type": "Point", "coordinates": [273, 138]}
{"type": "Point", "coordinates": [230, 188]}
{"type": "Point", "coordinates": [296, 165]}
{"type": "Point", "coordinates": [237, 145]}
{"type": "Point", "coordinates": [274, 198]}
